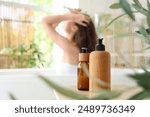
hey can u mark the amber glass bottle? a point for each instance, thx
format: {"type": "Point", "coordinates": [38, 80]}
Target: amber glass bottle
{"type": "Point", "coordinates": [83, 79]}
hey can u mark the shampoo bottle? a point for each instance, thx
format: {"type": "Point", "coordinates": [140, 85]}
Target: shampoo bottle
{"type": "Point", "coordinates": [99, 68]}
{"type": "Point", "coordinates": [83, 79]}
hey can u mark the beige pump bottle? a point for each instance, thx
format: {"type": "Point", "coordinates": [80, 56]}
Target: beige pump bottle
{"type": "Point", "coordinates": [99, 68]}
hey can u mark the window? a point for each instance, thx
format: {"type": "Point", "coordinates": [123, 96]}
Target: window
{"type": "Point", "coordinates": [21, 32]}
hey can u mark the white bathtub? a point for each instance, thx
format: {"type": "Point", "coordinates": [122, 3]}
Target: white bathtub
{"type": "Point", "coordinates": [24, 84]}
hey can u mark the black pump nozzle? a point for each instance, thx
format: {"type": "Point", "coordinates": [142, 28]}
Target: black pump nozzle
{"type": "Point", "coordinates": [100, 46]}
{"type": "Point", "coordinates": [84, 50]}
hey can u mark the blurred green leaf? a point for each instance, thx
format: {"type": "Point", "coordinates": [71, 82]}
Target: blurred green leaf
{"type": "Point", "coordinates": [115, 6]}
{"type": "Point", "coordinates": [140, 9]}
{"type": "Point", "coordinates": [127, 8]}
{"type": "Point", "coordinates": [144, 69]}
{"type": "Point", "coordinates": [147, 40]}
{"type": "Point", "coordinates": [141, 95]}
{"type": "Point", "coordinates": [12, 97]}
{"type": "Point", "coordinates": [148, 14]}
{"type": "Point", "coordinates": [22, 48]}
{"type": "Point", "coordinates": [143, 31]}
{"type": "Point", "coordinates": [115, 19]}
{"type": "Point", "coordinates": [148, 4]}
{"type": "Point", "coordinates": [143, 79]}
{"type": "Point", "coordinates": [147, 30]}
{"type": "Point", "coordinates": [101, 94]}
{"type": "Point", "coordinates": [62, 90]}
{"type": "Point", "coordinates": [147, 48]}
{"type": "Point", "coordinates": [137, 3]}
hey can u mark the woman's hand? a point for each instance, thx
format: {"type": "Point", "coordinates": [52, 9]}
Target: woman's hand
{"type": "Point", "coordinates": [79, 17]}
{"type": "Point", "coordinates": [82, 19]}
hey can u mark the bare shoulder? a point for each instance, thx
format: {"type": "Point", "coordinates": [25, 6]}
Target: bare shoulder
{"type": "Point", "coordinates": [73, 49]}
{"type": "Point", "coordinates": [71, 56]}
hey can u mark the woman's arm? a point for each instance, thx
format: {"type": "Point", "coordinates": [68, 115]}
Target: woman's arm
{"type": "Point", "coordinates": [50, 23]}
{"type": "Point", "coordinates": [54, 20]}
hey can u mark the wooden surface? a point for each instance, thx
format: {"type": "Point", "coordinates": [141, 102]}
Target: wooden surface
{"type": "Point", "coordinates": [127, 92]}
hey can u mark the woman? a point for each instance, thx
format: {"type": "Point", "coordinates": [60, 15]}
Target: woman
{"type": "Point", "coordinates": [79, 32]}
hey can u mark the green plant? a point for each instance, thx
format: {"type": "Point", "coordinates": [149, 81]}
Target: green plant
{"type": "Point", "coordinates": [138, 8]}
{"type": "Point", "coordinates": [142, 79]}
{"type": "Point", "coordinates": [26, 56]}
{"type": "Point", "coordinates": [101, 95]}
{"type": "Point", "coordinates": [40, 38]}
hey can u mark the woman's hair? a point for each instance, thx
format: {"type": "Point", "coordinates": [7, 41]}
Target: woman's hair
{"type": "Point", "coordinates": [86, 37]}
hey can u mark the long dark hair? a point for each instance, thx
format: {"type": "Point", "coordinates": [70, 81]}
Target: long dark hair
{"type": "Point", "coordinates": [86, 37]}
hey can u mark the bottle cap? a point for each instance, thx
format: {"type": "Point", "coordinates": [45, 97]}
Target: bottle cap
{"type": "Point", "coordinates": [100, 46]}
{"type": "Point", "coordinates": [84, 50]}
{"type": "Point", "coordinates": [84, 55]}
